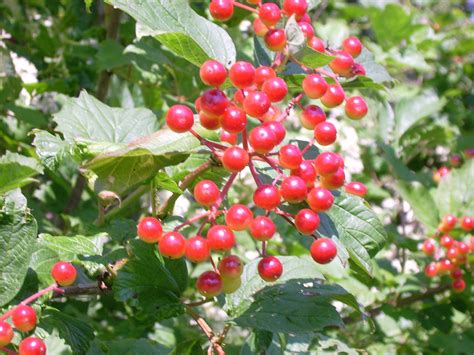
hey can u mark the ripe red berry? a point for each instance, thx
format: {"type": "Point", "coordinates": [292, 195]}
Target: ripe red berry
{"type": "Point", "coordinates": [463, 248]}
{"type": "Point", "coordinates": [327, 163]}
{"type": "Point", "coordinates": [209, 284]}
{"type": "Point", "coordinates": [262, 228]}
{"type": "Point", "coordinates": [455, 160]}
{"type": "Point", "coordinates": [448, 223]}
{"type": "Point", "coordinates": [221, 10]}
{"type": "Point", "coordinates": [238, 217]}
{"type": "Point", "coordinates": [467, 223]}
{"type": "Point", "coordinates": [262, 139]}
{"type": "Point", "coordinates": [220, 238]}
{"type": "Point", "coordinates": [214, 102]}
{"type": "Point", "coordinates": [290, 156]}
{"type": "Point", "coordinates": [325, 133]}
{"type": "Point", "coordinates": [459, 285]}
{"type": "Point", "coordinates": [32, 346]}
{"type": "Point", "coordinates": [356, 108]}
{"type": "Point", "coordinates": [275, 39]}
{"type": "Point", "coordinates": [446, 265]}
{"type": "Point", "coordinates": [295, 7]}
{"type": "Point", "coordinates": [306, 18]}
{"type": "Point", "coordinates": [172, 245]}
{"type": "Point", "coordinates": [307, 172]}
{"type": "Point", "coordinates": [262, 74]}
{"type": "Point", "coordinates": [307, 29]}
{"type": "Point", "coordinates": [64, 273]}
{"type": "Point", "coordinates": [428, 247]}
{"type": "Point", "coordinates": [293, 189]}
{"type": "Point", "coordinates": [431, 270]}
{"type": "Point", "coordinates": [6, 333]}
{"type": "Point", "coordinates": [242, 74]}
{"type": "Point", "coordinates": [311, 116]}
{"type": "Point", "coordinates": [446, 241]}
{"type": "Point", "coordinates": [235, 159]}
{"type": "Point", "coordinates": [259, 28]}
{"type": "Point", "coordinates": [333, 181]}
{"type": "Point", "coordinates": [317, 44]}
{"type": "Point", "coordinates": [306, 221]}
{"type": "Point", "coordinates": [213, 73]}
{"type": "Point", "coordinates": [323, 250]}
{"type": "Point", "coordinates": [275, 88]}
{"type": "Point", "coordinates": [456, 273]}
{"type": "Point", "coordinates": [352, 46]}
{"type": "Point", "coordinates": [334, 96]}
{"type": "Point", "coordinates": [270, 268]}
{"type": "Point", "coordinates": [180, 118]}
{"type": "Point", "coordinates": [206, 192]}
{"type": "Point", "coordinates": [197, 104]}
{"type": "Point", "coordinates": [356, 188]}
{"type": "Point", "coordinates": [197, 249]}
{"type": "Point", "coordinates": [278, 129]}
{"type": "Point", "coordinates": [227, 137]}
{"type": "Point", "coordinates": [230, 266]}
{"type": "Point", "coordinates": [209, 122]}
{"type": "Point", "coordinates": [24, 318]}
{"type": "Point", "coordinates": [452, 253]}
{"type": "Point", "coordinates": [267, 197]}
{"type": "Point", "coordinates": [149, 230]}
{"type": "Point", "coordinates": [342, 64]}
{"type": "Point", "coordinates": [272, 114]}
{"type": "Point", "coordinates": [358, 69]}
{"type": "Point", "coordinates": [320, 199]}
{"type": "Point", "coordinates": [256, 104]}
{"type": "Point", "coordinates": [314, 86]}
{"type": "Point", "coordinates": [269, 13]}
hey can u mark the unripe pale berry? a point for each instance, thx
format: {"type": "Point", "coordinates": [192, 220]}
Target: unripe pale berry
{"type": "Point", "coordinates": [259, 28]}
{"type": "Point", "coordinates": [180, 118]}
{"type": "Point", "coordinates": [323, 250]}
{"type": "Point", "coordinates": [209, 122]}
{"type": "Point", "coordinates": [230, 285]}
{"type": "Point", "coordinates": [270, 268]}
{"type": "Point", "coordinates": [64, 273]}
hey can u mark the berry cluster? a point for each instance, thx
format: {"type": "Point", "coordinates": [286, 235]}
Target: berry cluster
{"type": "Point", "coordinates": [455, 161]}
{"type": "Point", "coordinates": [24, 317]}
{"type": "Point", "coordinates": [251, 117]}
{"type": "Point", "coordinates": [450, 253]}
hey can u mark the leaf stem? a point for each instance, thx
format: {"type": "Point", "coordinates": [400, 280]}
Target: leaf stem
{"type": "Point", "coordinates": [192, 220]}
{"type": "Point", "coordinates": [290, 105]}
{"type": "Point", "coordinates": [245, 7]}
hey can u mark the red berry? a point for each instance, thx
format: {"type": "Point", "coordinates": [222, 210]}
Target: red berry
{"type": "Point", "coordinates": [235, 159]}
{"type": "Point", "coordinates": [431, 270]}
{"type": "Point", "coordinates": [278, 129]}
{"type": "Point", "coordinates": [275, 39]}
{"type": "Point", "coordinates": [238, 217]}
{"type": "Point", "coordinates": [227, 137]}
{"type": "Point", "coordinates": [259, 27]}
{"type": "Point", "coordinates": [448, 223]}
{"type": "Point", "coordinates": [455, 160]}
{"type": "Point", "coordinates": [242, 74]}
{"type": "Point", "coordinates": [323, 250]}
{"type": "Point", "coordinates": [275, 88]}
{"type": "Point", "coordinates": [272, 114]}
{"type": "Point", "coordinates": [463, 248]}
{"type": "Point", "coordinates": [256, 104]}
{"type": "Point", "coordinates": [269, 13]}
{"type": "Point", "coordinates": [325, 133]}
{"type": "Point", "coordinates": [356, 188]}
{"type": "Point", "coordinates": [197, 104]}
{"type": "Point", "coordinates": [209, 122]}
{"type": "Point", "coordinates": [358, 69]}
{"type": "Point", "coordinates": [209, 284]}
{"type": "Point", "coordinates": [262, 139]}
{"type": "Point", "coordinates": [262, 74]}
{"type": "Point", "coordinates": [206, 192]}
{"type": "Point", "coordinates": [214, 102]}
{"type": "Point", "coordinates": [64, 273]}
{"type": "Point", "coordinates": [32, 346]}
{"type": "Point", "coordinates": [230, 266]}
{"type": "Point", "coordinates": [428, 247]}
{"type": "Point", "coordinates": [456, 273]}
{"type": "Point", "coordinates": [180, 118]}
{"type": "Point", "coordinates": [293, 189]}
{"type": "Point", "coordinates": [335, 180]}
{"type": "Point", "coordinates": [327, 163]}
{"type": "Point", "coordinates": [197, 249]}
{"type": "Point", "coordinates": [295, 7]}
{"type": "Point", "coordinates": [307, 29]}
{"type": "Point", "coordinates": [356, 108]}
{"type": "Point", "coordinates": [467, 223]}
{"type": "Point", "coordinates": [314, 86]}
{"type": "Point", "coordinates": [270, 268]}
{"type": "Point", "coordinates": [24, 318]}
{"type": "Point", "coordinates": [352, 46]}
{"type": "Point", "coordinates": [311, 116]}
{"type": "Point", "coordinates": [262, 228]}
{"type": "Point", "coordinates": [317, 44]}
{"type": "Point", "coordinates": [342, 64]}
{"type": "Point", "coordinates": [290, 156]}
{"type": "Point", "coordinates": [6, 333]}
{"type": "Point", "coordinates": [149, 230]}
{"type": "Point", "coordinates": [306, 18]}
{"type": "Point", "coordinates": [220, 238]}
{"type": "Point", "coordinates": [446, 265]}
{"type": "Point", "coordinates": [306, 221]}
{"type": "Point", "coordinates": [320, 199]}
{"type": "Point", "coordinates": [307, 172]}
{"type": "Point", "coordinates": [221, 10]}
{"type": "Point", "coordinates": [213, 73]}
{"type": "Point", "coordinates": [334, 96]}
{"type": "Point", "coordinates": [446, 241]}
{"type": "Point", "coordinates": [459, 285]}
{"type": "Point", "coordinates": [452, 253]}
{"type": "Point", "coordinates": [267, 197]}
{"type": "Point", "coordinates": [172, 245]}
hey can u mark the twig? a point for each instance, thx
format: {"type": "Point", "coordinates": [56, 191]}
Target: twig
{"type": "Point", "coordinates": [199, 303]}
{"type": "Point", "coordinates": [214, 343]}
{"type": "Point", "coordinates": [8, 351]}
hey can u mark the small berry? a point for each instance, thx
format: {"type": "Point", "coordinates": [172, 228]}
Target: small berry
{"type": "Point", "coordinates": [307, 172]}
{"type": "Point", "coordinates": [459, 285]}
{"type": "Point", "coordinates": [206, 192]}
{"type": "Point", "coordinates": [269, 13]}
{"type": "Point", "coordinates": [230, 285]}
{"type": "Point", "coordinates": [295, 7]}
{"type": "Point", "coordinates": [238, 217]}
{"type": "Point", "coordinates": [256, 104]}
{"type": "Point", "coordinates": [306, 18]}
{"type": "Point", "coordinates": [275, 88]}
{"type": "Point", "coordinates": [213, 73]}
{"type": "Point", "coordinates": [32, 346]}
{"type": "Point", "coordinates": [270, 268]}
{"type": "Point", "coordinates": [220, 238]}
{"type": "Point", "coordinates": [307, 221]}
{"type": "Point", "coordinates": [314, 86]}
{"type": "Point", "coordinates": [149, 230]}
{"type": "Point", "coordinates": [428, 247]}
{"type": "Point", "coordinates": [293, 189]}
{"type": "Point", "coordinates": [327, 163]}
{"type": "Point", "coordinates": [24, 318]}
{"type": "Point", "coordinates": [262, 228]}
{"type": "Point", "coordinates": [6, 333]}
{"type": "Point", "coordinates": [352, 46]}
{"type": "Point", "coordinates": [356, 188]}
{"type": "Point", "coordinates": [262, 139]}
{"type": "Point", "coordinates": [290, 156]}
{"type": "Point", "coordinates": [214, 102]}
{"type": "Point", "coordinates": [463, 248]}
{"type": "Point", "coordinates": [334, 96]}
{"type": "Point", "coordinates": [446, 265]}
{"type": "Point", "coordinates": [446, 241]}
{"type": "Point", "coordinates": [235, 159]}
{"type": "Point", "coordinates": [456, 273]}
{"type": "Point", "coordinates": [230, 266]}
{"type": "Point", "coordinates": [180, 118]}
{"type": "Point", "coordinates": [263, 74]}
{"type": "Point", "coordinates": [311, 116]}
{"type": "Point", "coordinates": [209, 284]}
{"type": "Point", "coordinates": [64, 273]}
{"type": "Point", "coordinates": [272, 114]}
{"type": "Point", "coordinates": [317, 44]}
{"type": "Point", "coordinates": [278, 129]}
{"type": "Point", "coordinates": [267, 197]}
{"type": "Point", "coordinates": [323, 250]}
{"type": "Point", "coordinates": [467, 223]}
{"type": "Point", "coordinates": [455, 160]}
{"type": "Point", "coordinates": [227, 137]}
{"type": "Point", "coordinates": [452, 253]}
{"type": "Point", "coordinates": [259, 28]}
{"type": "Point", "coordinates": [333, 181]}
{"type": "Point", "coordinates": [448, 223]}
{"type": "Point", "coordinates": [209, 122]}
{"type": "Point", "coordinates": [275, 39]}
{"type": "Point", "coordinates": [325, 133]}
{"type": "Point", "coordinates": [320, 199]}
{"type": "Point", "coordinates": [172, 245]}
{"type": "Point", "coordinates": [356, 108]}
{"type": "Point", "coordinates": [197, 249]}
{"type": "Point", "coordinates": [342, 64]}
{"type": "Point", "coordinates": [221, 10]}
{"type": "Point", "coordinates": [431, 270]}
{"type": "Point", "coordinates": [358, 69]}
{"type": "Point", "coordinates": [307, 29]}
{"type": "Point", "coordinates": [242, 74]}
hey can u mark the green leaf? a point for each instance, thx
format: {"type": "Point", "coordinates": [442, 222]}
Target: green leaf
{"type": "Point", "coordinates": [126, 347]}
{"type": "Point", "coordinates": [18, 231]}
{"type": "Point", "coordinates": [88, 4]}
{"type": "Point", "coordinates": [180, 29]}
{"type": "Point", "coordinates": [42, 260]}
{"type": "Point", "coordinates": [10, 82]}
{"type": "Point", "coordinates": [164, 181]}
{"type": "Point", "coordinates": [313, 59]}
{"type": "Point", "coordinates": [263, 56]}
{"type": "Point", "coordinates": [373, 70]}
{"type": "Point", "coordinates": [17, 170]}
{"type": "Point", "coordinates": [361, 83]}
{"type": "Point", "coordinates": [69, 248]}
{"type": "Point", "coordinates": [75, 332]}
{"type": "Point", "coordinates": [50, 149]}
{"type": "Point", "coordinates": [455, 194]}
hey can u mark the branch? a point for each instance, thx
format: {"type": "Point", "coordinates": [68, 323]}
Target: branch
{"type": "Point", "coordinates": [215, 341]}
{"type": "Point", "coordinates": [84, 290]}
